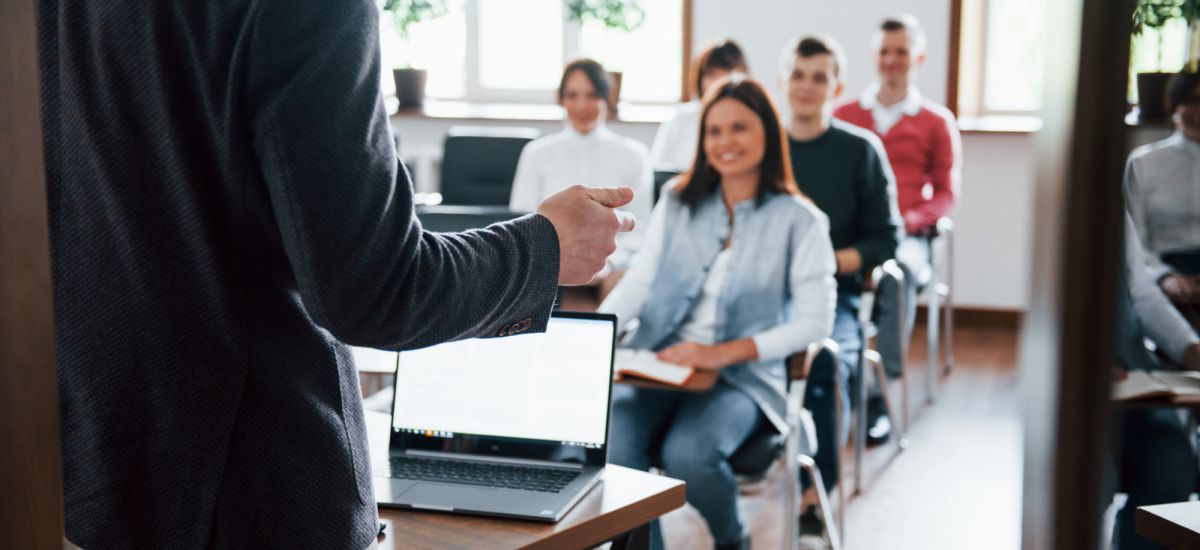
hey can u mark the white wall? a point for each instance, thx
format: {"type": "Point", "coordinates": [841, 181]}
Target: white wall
{"type": "Point", "coordinates": [994, 216]}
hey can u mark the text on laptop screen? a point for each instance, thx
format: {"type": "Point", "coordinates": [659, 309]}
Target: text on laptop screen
{"type": "Point", "coordinates": [552, 386]}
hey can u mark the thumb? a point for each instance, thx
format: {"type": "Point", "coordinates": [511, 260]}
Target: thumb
{"type": "Point", "coordinates": [612, 197]}
{"type": "Point", "coordinates": [628, 222]}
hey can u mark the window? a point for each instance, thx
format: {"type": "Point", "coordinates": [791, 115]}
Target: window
{"type": "Point", "coordinates": [1163, 49]}
{"type": "Point", "coordinates": [1000, 64]}
{"type": "Point", "coordinates": [514, 51]}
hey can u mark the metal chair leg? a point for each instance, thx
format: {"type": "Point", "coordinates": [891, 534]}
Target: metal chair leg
{"type": "Point", "coordinates": [841, 485]}
{"type": "Point", "coordinates": [872, 357]}
{"type": "Point", "coordinates": [931, 331]}
{"type": "Point", "coordinates": [831, 532]}
{"type": "Point", "coordinates": [949, 305]}
{"type": "Point", "coordinates": [860, 421]}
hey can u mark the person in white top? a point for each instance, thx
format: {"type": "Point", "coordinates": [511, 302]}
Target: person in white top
{"type": "Point", "coordinates": [1162, 188]}
{"type": "Point", "coordinates": [585, 152]}
{"type": "Point", "coordinates": [674, 145]}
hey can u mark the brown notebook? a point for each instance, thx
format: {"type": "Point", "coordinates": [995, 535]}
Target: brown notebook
{"type": "Point", "coordinates": [1166, 386]}
{"type": "Point", "coordinates": [642, 365]}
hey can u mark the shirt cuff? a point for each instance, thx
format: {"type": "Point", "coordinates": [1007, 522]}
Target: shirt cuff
{"type": "Point", "coordinates": [773, 345]}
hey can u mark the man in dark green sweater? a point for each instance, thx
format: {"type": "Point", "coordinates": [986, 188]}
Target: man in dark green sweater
{"type": "Point", "coordinates": [845, 171]}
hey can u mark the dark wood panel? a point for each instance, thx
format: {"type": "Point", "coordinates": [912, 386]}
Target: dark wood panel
{"type": "Point", "coordinates": [1068, 329]}
{"type": "Point", "coordinates": [30, 466]}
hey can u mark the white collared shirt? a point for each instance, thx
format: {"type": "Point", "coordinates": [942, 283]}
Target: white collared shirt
{"type": "Point", "coordinates": [599, 158]}
{"type": "Point", "coordinates": [887, 116]}
{"type": "Point", "coordinates": [1162, 189]}
{"type": "Point", "coordinates": [675, 143]}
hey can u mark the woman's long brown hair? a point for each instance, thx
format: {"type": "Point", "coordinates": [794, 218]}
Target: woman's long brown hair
{"type": "Point", "coordinates": [775, 171]}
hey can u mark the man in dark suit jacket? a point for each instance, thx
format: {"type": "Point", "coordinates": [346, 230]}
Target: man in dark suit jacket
{"type": "Point", "coordinates": [226, 209]}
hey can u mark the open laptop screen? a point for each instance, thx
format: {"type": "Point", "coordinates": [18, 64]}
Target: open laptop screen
{"type": "Point", "coordinates": [551, 387]}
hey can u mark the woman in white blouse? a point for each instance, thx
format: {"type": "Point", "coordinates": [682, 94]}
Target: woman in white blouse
{"type": "Point", "coordinates": [675, 143]}
{"type": "Point", "coordinates": [735, 274]}
{"type": "Point", "coordinates": [586, 152]}
{"type": "Point", "coordinates": [1162, 190]}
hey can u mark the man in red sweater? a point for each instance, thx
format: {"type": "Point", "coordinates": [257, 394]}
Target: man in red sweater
{"type": "Point", "coordinates": [925, 151]}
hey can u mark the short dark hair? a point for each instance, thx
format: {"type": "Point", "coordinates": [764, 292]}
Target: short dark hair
{"type": "Point", "coordinates": [722, 55]}
{"type": "Point", "coordinates": [775, 172]}
{"type": "Point", "coordinates": [909, 24]}
{"type": "Point", "coordinates": [1180, 87]}
{"type": "Point", "coordinates": [810, 45]}
{"type": "Point", "coordinates": [594, 72]}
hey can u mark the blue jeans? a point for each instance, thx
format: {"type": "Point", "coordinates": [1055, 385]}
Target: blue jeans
{"type": "Point", "coordinates": [913, 255]}
{"type": "Point", "coordinates": [1155, 465]}
{"type": "Point", "coordinates": [819, 397]}
{"type": "Point", "coordinates": [694, 434]}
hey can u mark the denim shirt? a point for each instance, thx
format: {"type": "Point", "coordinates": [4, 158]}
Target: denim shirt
{"type": "Point", "coordinates": [757, 290]}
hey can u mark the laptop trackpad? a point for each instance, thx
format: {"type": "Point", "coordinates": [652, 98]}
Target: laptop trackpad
{"type": "Point", "coordinates": [444, 495]}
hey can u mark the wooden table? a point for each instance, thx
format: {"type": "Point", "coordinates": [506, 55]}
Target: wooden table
{"type": "Point", "coordinates": [625, 501]}
{"type": "Point", "coordinates": [1171, 525]}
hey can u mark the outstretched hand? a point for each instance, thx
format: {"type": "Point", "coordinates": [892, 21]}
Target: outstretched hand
{"type": "Point", "coordinates": [587, 223]}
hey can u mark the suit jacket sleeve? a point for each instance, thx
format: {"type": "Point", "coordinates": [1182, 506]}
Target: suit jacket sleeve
{"type": "Point", "coordinates": [364, 268]}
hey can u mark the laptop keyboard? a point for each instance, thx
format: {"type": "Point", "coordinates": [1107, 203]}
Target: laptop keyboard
{"type": "Point", "coordinates": [546, 480]}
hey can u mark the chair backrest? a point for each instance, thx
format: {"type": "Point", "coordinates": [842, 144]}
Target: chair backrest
{"type": "Point", "coordinates": [452, 219]}
{"type": "Point", "coordinates": [760, 450]}
{"type": "Point", "coordinates": [478, 164]}
{"type": "Point", "coordinates": [661, 177]}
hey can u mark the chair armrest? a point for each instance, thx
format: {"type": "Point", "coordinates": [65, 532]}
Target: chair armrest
{"type": "Point", "coordinates": [800, 364]}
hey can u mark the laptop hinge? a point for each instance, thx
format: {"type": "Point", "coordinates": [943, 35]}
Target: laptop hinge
{"type": "Point", "coordinates": [494, 459]}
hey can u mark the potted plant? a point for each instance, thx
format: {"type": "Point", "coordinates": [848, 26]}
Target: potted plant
{"type": "Point", "coordinates": [625, 15]}
{"type": "Point", "coordinates": [1155, 14]}
{"type": "Point", "coordinates": [410, 82]}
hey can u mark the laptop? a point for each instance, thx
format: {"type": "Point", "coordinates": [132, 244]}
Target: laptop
{"type": "Point", "coordinates": [513, 427]}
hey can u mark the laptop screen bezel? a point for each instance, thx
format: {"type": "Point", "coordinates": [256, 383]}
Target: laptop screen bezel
{"type": "Point", "coordinates": [512, 447]}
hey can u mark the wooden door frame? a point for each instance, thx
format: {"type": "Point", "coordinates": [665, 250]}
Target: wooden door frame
{"type": "Point", "coordinates": [1067, 353]}
{"type": "Point", "coordinates": [30, 466]}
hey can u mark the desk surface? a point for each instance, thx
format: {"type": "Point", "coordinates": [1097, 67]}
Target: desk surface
{"type": "Point", "coordinates": [1171, 525]}
{"type": "Point", "coordinates": [624, 500]}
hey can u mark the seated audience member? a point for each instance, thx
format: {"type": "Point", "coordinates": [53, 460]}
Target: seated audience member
{"type": "Point", "coordinates": [585, 152]}
{"type": "Point", "coordinates": [925, 152]}
{"type": "Point", "coordinates": [674, 145]}
{"type": "Point", "coordinates": [1162, 187]}
{"type": "Point", "coordinates": [736, 274]}
{"type": "Point", "coordinates": [1154, 457]}
{"type": "Point", "coordinates": [844, 170]}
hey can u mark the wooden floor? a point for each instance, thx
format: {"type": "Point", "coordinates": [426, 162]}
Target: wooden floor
{"type": "Point", "coordinates": [958, 483]}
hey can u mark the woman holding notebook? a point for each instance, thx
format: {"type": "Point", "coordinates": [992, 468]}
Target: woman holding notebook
{"type": "Point", "coordinates": [735, 274]}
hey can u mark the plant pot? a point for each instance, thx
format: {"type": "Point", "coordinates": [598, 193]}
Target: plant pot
{"type": "Point", "coordinates": [1152, 96]}
{"type": "Point", "coordinates": [614, 93]}
{"type": "Point", "coordinates": [410, 86]}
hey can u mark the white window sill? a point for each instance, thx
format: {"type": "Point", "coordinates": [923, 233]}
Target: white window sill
{"type": "Point", "coordinates": [521, 112]}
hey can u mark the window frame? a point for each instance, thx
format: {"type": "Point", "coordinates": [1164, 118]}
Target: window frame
{"type": "Point", "coordinates": [966, 85]}
{"type": "Point", "coordinates": [475, 92]}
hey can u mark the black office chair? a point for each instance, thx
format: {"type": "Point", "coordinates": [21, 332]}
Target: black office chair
{"type": "Point", "coordinates": [870, 359]}
{"type": "Point", "coordinates": [661, 177]}
{"type": "Point", "coordinates": [478, 164]}
{"type": "Point", "coordinates": [752, 461]}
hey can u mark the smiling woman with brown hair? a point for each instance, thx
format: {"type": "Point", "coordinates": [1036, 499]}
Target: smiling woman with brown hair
{"type": "Point", "coordinates": [735, 274]}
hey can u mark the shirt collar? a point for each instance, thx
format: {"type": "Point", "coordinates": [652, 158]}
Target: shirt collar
{"type": "Point", "coordinates": [1185, 144]}
{"type": "Point", "coordinates": [910, 105]}
{"type": "Point", "coordinates": [600, 130]}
